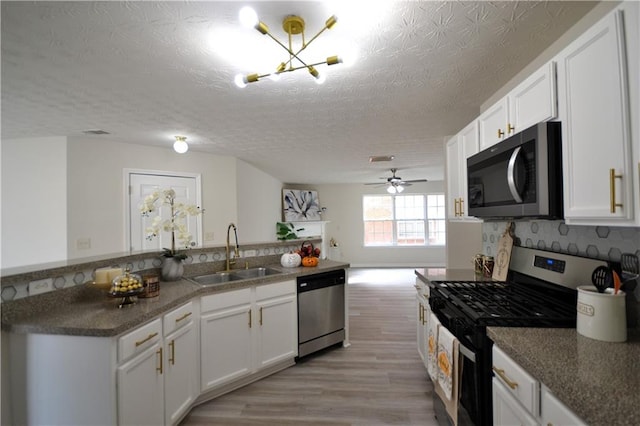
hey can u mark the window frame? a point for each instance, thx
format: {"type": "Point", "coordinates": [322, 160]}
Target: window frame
{"type": "Point", "coordinates": [429, 224]}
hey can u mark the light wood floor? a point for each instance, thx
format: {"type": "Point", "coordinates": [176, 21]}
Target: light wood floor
{"type": "Point", "coordinates": [378, 380]}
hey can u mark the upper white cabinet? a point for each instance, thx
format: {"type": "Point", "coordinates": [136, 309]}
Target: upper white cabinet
{"type": "Point", "coordinates": [593, 90]}
{"type": "Point", "coordinates": [493, 124]}
{"type": "Point", "coordinates": [532, 101]}
{"type": "Point", "coordinates": [458, 149]}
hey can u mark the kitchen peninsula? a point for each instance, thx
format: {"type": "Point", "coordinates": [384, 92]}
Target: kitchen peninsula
{"type": "Point", "coordinates": [153, 361]}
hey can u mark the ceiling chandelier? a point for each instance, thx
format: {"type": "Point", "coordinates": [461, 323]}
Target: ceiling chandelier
{"type": "Point", "coordinates": [293, 25]}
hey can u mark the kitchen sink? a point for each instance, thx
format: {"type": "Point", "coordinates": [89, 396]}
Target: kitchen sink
{"type": "Point", "coordinates": [235, 275]}
{"type": "Point", "coordinates": [212, 279]}
{"type": "Point", "coordinates": [244, 274]}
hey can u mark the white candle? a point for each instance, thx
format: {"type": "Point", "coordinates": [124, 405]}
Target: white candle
{"type": "Point", "coordinates": [113, 273]}
{"type": "Point", "coordinates": [102, 276]}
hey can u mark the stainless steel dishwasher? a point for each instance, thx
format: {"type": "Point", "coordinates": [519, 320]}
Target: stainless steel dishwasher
{"type": "Point", "coordinates": [321, 314]}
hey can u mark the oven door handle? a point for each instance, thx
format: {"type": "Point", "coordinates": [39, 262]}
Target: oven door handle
{"type": "Point", "coordinates": [511, 175]}
{"type": "Point", "coordinates": [468, 353]}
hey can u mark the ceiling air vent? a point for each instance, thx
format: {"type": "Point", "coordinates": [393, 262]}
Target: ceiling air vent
{"type": "Point", "coordinates": [379, 158]}
{"type": "Point", "coordinates": [95, 132]}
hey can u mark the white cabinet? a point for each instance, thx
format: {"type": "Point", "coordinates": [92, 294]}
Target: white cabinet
{"type": "Point", "coordinates": [139, 376]}
{"type": "Point", "coordinates": [506, 408]}
{"type": "Point", "coordinates": [277, 324]}
{"type": "Point", "coordinates": [519, 398]}
{"type": "Point", "coordinates": [521, 385]}
{"type": "Point", "coordinates": [245, 331]}
{"type": "Point", "coordinates": [493, 124]}
{"type": "Point", "coordinates": [593, 90]}
{"type": "Point", "coordinates": [555, 413]}
{"type": "Point", "coordinates": [532, 101]}
{"type": "Point", "coordinates": [225, 337]}
{"type": "Point", "coordinates": [458, 149]}
{"type": "Point", "coordinates": [157, 375]}
{"type": "Point", "coordinates": [180, 362]}
{"type": "Point", "coordinates": [422, 320]}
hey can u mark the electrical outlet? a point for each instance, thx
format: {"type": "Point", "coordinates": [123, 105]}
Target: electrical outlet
{"type": "Point", "coordinates": [208, 236]}
{"type": "Point", "coordinates": [40, 286]}
{"type": "Point", "coordinates": [83, 243]}
{"type": "Point", "coordinates": [249, 253]}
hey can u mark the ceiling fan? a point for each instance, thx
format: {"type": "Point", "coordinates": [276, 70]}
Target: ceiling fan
{"type": "Point", "coordinates": [395, 184]}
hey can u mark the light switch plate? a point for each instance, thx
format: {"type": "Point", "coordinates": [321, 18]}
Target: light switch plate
{"type": "Point", "coordinates": [40, 286]}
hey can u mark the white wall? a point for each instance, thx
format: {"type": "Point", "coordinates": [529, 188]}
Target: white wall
{"type": "Point", "coordinates": [344, 213]}
{"type": "Point", "coordinates": [34, 201]}
{"type": "Point", "coordinates": [259, 204]}
{"type": "Point", "coordinates": [97, 194]}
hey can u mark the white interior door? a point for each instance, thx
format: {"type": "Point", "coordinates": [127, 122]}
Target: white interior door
{"type": "Point", "coordinates": [187, 189]}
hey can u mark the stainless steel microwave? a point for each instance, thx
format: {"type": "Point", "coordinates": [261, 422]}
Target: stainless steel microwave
{"type": "Point", "coordinates": [518, 177]}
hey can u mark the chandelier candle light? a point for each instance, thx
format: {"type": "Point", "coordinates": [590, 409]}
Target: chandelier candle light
{"type": "Point", "coordinates": [292, 25]}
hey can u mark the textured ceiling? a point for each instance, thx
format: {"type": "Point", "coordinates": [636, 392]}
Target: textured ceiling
{"type": "Point", "coordinates": [145, 71]}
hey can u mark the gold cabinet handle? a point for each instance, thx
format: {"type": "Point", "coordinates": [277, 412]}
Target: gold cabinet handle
{"type": "Point", "coordinates": [500, 133]}
{"type": "Point", "coordinates": [249, 318]}
{"type": "Point", "coordinates": [187, 315]}
{"type": "Point", "coordinates": [424, 317]}
{"type": "Point", "coordinates": [172, 354]}
{"type": "Point", "coordinates": [146, 339]}
{"type": "Point", "coordinates": [510, 128]}
{"type": "Point", "coordinates": [612, 189]}
{"type": "Point", "coordinates": [500, 372]}
{"type": "Point", "coordinates": [260, 315]}
{"type": "Point", "coordinates": [455, 207]}
{"type": "Point", "coordinates": [461, 206]}
{"type": "Point", "coordinates": [420, 312]}
{"type": "Point", "coordinates": [159, 352]}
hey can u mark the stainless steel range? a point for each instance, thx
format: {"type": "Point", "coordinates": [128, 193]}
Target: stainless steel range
{"type": "Point", "coordinates": [540, 291]}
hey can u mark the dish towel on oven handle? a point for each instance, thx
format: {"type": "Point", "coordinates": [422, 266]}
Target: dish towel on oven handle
{"type": "Point", "coordinates": [447, 361]}
{"type": "Point", "coordinates": [432, 347]}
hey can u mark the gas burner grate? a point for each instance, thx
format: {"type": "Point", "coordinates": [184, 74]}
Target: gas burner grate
{"type": "Point", "coordinates": [501, 303]}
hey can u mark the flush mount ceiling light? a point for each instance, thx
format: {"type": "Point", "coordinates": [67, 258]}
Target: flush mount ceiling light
{"type": "Point", "coordinates": [180, 145]}
{"type": "Point", "coordinates": [293, 25]}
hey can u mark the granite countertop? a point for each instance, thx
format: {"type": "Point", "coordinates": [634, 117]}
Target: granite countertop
{"type": "Point", "coordinates": [599, 381]}
{"type": "Point", "coordinates": [86, 311]}
{"type": "Point", "coordinates": [443, 274]}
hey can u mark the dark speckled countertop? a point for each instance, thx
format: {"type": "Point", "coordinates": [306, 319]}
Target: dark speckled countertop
{"type": "Point", "coordinates": [86, 311]}
{"type": "Point", "coordinates": [599, 381]}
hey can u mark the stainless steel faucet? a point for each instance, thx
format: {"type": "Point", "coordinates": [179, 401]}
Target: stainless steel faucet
{"type": "Point", "coordinates": [236, 251]}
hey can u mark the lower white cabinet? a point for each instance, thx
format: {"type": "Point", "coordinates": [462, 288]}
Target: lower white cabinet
{"type": "Point", "coordinates": [555, 413]}
{"type": "Point", "coordinates": [422, 321]}
{"type": "Point", "coordinates": [520, 399]}
{"type": "Point", "coordinates": [181, 372]}
{"type": "Point", "coordinates": [506, 408]}
{"type": "Point", "coordinates": [152, 375]}
{"type": "Point", "coordinates": [225, 337]}
{"type": "Point", "coordinates": [141, 389]}
{"type": "Point", "coordinates": [157, 377]}
{"type": "Point", "coordinates": [247, 330]}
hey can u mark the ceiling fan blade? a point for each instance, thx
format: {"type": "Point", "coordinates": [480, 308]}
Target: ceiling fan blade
{"type": "Point", "coordinates": [415, 180]}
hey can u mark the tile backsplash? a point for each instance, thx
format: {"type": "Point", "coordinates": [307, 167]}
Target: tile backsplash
{"type": "Point", "coordinates": [600, 242]}
{"type": "Point", "coordinates": [201, 260]}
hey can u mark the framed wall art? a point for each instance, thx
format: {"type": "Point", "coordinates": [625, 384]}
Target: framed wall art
{"type": "Point", "coordinates": [300, 205]}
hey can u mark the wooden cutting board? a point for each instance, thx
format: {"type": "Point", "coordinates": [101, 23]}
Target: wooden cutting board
{"type": "Point", "coordinates": [501, 266]}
